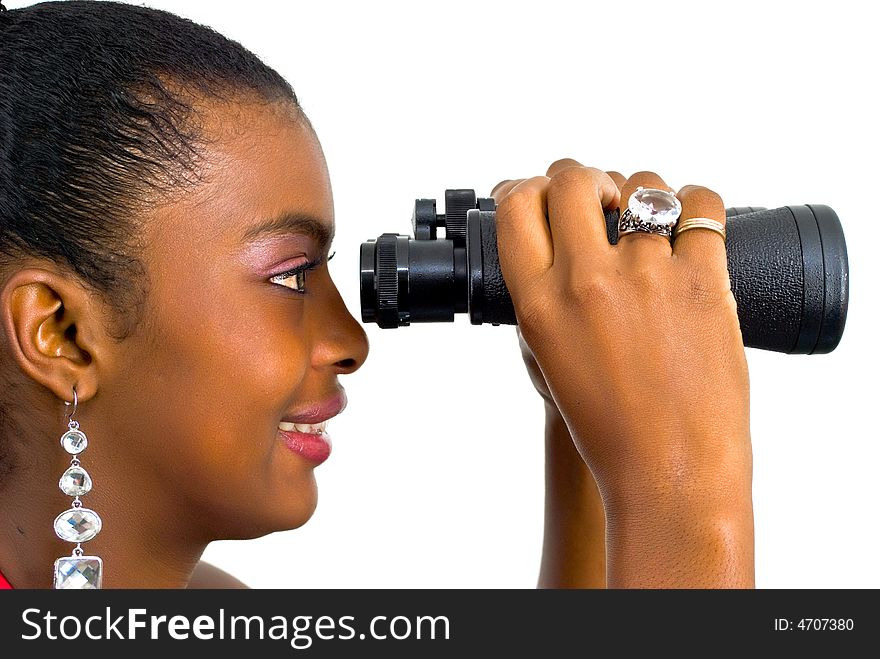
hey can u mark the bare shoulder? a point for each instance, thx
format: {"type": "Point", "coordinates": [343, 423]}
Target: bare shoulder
{"type": "Point", "coordinates": [210, 576]}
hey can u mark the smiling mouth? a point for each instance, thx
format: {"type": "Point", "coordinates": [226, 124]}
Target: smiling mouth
{"type": "Point", "coordinates": [311, 428]}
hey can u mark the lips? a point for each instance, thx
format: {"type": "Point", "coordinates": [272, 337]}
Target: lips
{"type": "Point", "coordinates": [321, 411]}
{"type": "Point", "coordinates": [315, 448]}
{"type": "Point", "coordinates": [308, 437]}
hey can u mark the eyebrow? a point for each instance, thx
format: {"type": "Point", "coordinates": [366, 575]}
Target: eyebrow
{"type": "Point", "coordinates": [293, 222]}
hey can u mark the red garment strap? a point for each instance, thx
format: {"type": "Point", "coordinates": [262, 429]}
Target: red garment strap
{"type": "Point", "coordinates": [4, 585]}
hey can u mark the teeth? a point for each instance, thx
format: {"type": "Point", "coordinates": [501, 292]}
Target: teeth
{"type": "Point", "coordinates": [313, 428]}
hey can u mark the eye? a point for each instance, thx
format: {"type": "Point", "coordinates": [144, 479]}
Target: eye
{"type": "Point", "coordinates": [295, 278]}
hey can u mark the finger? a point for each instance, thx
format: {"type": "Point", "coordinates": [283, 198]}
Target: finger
{"type": "Point", "coordinates": [639, 245]}
{"type": "Point", "coordinates": [525, 246]}
{"type": "Point", "coordinates": [498, 185]}
{"type": "Point", "coordinates": [702, 245]}
{"type": "Point", "coordinates": [618, 178]}
{"type": "Point", "coordinates": [561, 164]}
{"type": "Point", "coordinates": [576, 199]}
{"type": "Point", "coordinates": [501, 190]}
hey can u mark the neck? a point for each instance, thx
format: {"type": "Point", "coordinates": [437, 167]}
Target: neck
{"type": "Point", "coordinates": [147, 539]}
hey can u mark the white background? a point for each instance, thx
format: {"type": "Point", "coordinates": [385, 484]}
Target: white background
{"type": "Point", "coordinates": [436, 477]}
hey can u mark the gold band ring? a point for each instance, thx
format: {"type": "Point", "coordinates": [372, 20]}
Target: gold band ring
{"type": "Point", "coordinates": [700, 223]}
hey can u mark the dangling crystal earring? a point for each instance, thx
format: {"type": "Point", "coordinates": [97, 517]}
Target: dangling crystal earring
{"type": "Point", "coordinates": [77, 524]}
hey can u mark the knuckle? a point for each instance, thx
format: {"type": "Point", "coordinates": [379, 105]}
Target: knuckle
{"type": "Point", "coordinates": [541, 307]}
{"type": "Point", "coordinates": [589, 289]}
{"type": "Point", "coordinates": [648, 278]}
{"type": "Point", "coordinates": [498, 185]}
{"type": "Point", "coordinates": [516, 202]}
{"type": "Point", "coordinates": [644, 178]}
{"type": "Point", "coordinates": [575, 179]}
{"type": "Point", "coordinates": [701, 197]}
{"type": "Point", "coordinates": [618, 178]}
{"type": "Point", "coordinates": [645, 175]}
{"type": "Point", "coordinates": [562, 163]}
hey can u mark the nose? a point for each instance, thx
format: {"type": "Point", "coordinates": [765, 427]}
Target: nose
{"type": "Point", "coordinates": [340, 340]}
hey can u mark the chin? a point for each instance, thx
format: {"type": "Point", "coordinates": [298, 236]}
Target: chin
{"type": "Point", "coordinates": [297, 509]}
{"type": "Point", "coordinates": [302, 513]}
{"type": "Point", "coordinates": [282, 510]}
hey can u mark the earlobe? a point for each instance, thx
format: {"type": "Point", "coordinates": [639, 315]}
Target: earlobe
{"type": "Point", "coordinates": [47, 320]}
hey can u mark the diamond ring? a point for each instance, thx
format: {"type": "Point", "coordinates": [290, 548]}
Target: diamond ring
{"type": "Point", "coordinates": [650, 210]}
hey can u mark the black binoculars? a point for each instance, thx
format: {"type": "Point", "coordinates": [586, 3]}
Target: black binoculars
{"type": "Point", "coordinates": [788, 272]}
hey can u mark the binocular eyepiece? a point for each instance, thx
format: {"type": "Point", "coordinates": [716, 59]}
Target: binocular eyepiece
{"type": "Point", "coordinates": [788, 272]}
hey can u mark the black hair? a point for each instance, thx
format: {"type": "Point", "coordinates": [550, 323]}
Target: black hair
{"type": "Point", "coordinates": [97, 121]}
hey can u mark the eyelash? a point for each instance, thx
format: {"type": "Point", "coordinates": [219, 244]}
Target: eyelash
{"type": "Point", "coordinates": [300, 270]}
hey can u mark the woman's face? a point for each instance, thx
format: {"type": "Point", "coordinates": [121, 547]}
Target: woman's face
{"type": "Point", "coordinates": [224, 353]}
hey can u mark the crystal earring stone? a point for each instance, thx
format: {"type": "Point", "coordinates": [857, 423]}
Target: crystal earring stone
{"type": "Point", "coordinates": [75, 482]}
{"type": "Point", "coordinates": [77, 525]}
{"type": "Point", "coordinates": [78, 572]}
{"type": "Point", "coordinates": [655, 206]}
{"type": "Point", "coordinates": [74, 441]}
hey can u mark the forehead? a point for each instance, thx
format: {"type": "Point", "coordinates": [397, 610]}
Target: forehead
{"type": "Point", "coordinates": [263, 169]}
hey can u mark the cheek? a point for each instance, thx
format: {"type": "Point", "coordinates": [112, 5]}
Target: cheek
{"type": "Point", "coordinates": [219, 383]}
{"type": "Point", "coordinates": [254, 362]}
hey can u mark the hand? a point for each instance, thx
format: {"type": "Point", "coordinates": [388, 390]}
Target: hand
{"type": "Point", "coordinates": [499, 192]}
{"type": "Point", "coordinates": [641, 349]}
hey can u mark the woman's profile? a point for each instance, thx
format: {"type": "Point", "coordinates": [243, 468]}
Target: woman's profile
{"type": "Point", "coordinates": [166, 216]}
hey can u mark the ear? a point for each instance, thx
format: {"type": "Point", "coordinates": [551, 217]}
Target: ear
{"type": "Point", "coordinates": [53, 329]}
